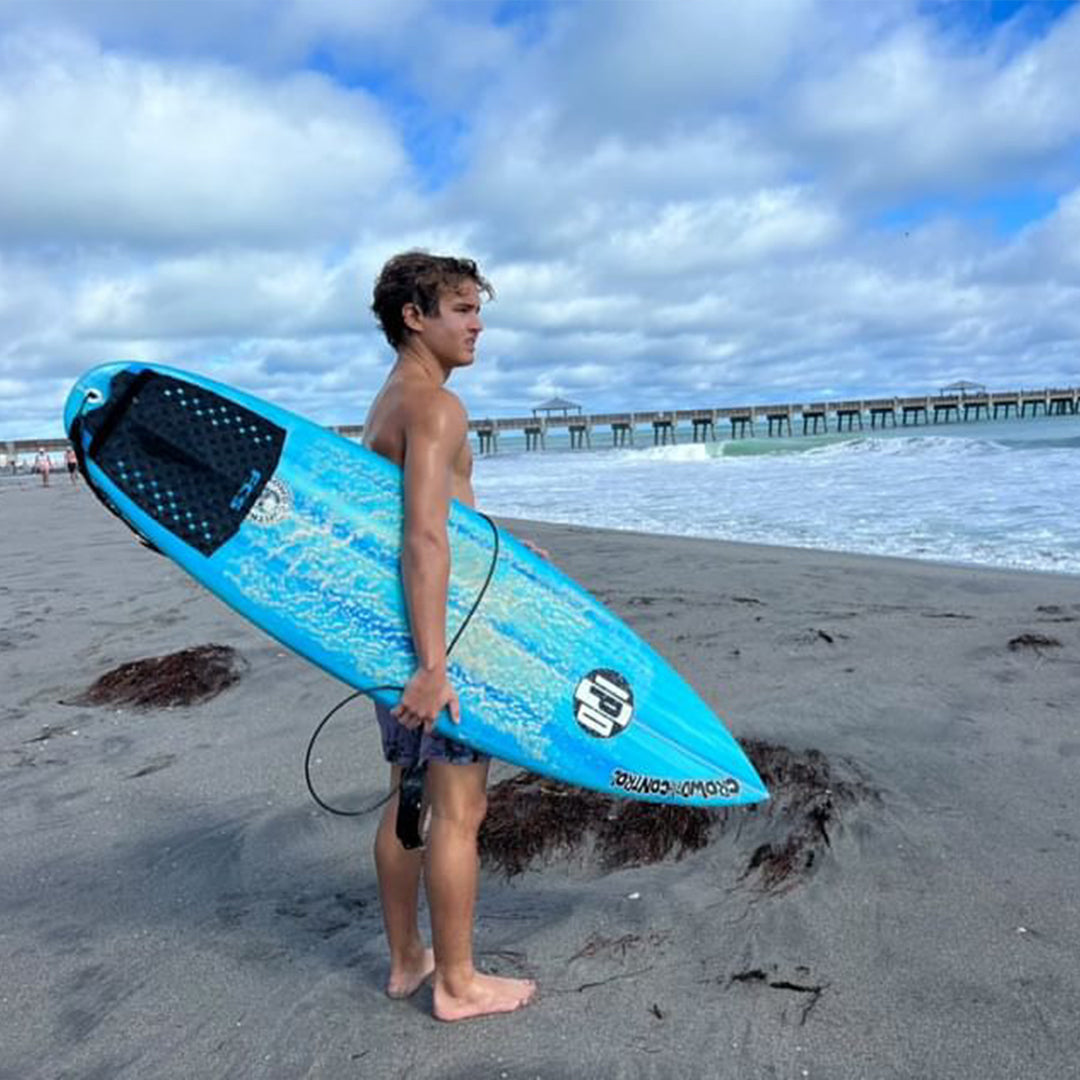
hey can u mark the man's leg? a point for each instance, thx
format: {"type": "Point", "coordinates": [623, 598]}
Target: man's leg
{"type": "Point", "coordinates": [457, 794]}
{"type": "Point", "coordinates": [399, 885]}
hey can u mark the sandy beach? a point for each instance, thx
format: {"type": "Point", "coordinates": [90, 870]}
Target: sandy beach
{"type": "Point", "coordinates": [172, 904]}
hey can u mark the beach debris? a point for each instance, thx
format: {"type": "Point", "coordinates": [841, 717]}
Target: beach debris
{"type": "Point", "coordinates": [502, 957]}
{"type": "Point", "coordinates": [760, 976]}
{"type": "Point", "coordinates": [1033, 641]}
{"type": "Point", "coordinates": [532, 818]}
{"type": "Point", "coordinates": [155, 764]}
{"type": "Point", "coordinates": [1050, 613]}
{"type": "Point", "coordinates": [807, 797]}
{"type": "Point", "coordinates": [188, 677]}
{"type": "Point", "coordinates": [604, 982]}
{"type": "Point", "coordinates": [51, 731]}
{"type": "Point", "coordinates": [813, 636]}
{"type": "Point", "coordinates": [600, 945]}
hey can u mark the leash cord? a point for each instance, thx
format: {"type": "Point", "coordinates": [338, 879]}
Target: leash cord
{"type": "Point", "coordinates": [366, 691]}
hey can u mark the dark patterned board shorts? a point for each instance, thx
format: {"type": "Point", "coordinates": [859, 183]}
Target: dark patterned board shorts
{"type": "Point", "coordinates": [408, 746]}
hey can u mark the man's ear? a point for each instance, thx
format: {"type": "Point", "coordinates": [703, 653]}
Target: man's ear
{"type": "Point", "coordinates": [411, 316]}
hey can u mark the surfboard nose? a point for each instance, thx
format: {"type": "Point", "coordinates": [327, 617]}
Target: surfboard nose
{"type": "Point", "coordinates": [90, 391]}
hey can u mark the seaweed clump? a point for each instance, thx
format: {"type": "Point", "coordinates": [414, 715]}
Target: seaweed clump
{"type": "Point", "coordinates": [531, 818]}
{"type": "Point", "coordinates": [1033, 641]}
{"type": "Point", "coordinates": [188, 677]}
{"type": "Point", "coordinates": [807, 797]}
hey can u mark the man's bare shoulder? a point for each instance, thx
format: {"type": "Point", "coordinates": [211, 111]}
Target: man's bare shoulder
{"type": "Point", "coordinates": [407, 410]}
{"type": "Point", "coordinates": [435, 412]}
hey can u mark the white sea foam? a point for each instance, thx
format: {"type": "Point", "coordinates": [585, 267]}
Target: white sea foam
{"type": "Point", "coordinates": [992, 493]}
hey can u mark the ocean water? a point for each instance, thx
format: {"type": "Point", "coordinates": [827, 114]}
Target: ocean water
{"type": "Point", "coordinates": [1002, 493]}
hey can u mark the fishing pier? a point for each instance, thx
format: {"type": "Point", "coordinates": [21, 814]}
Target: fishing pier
{"type": "Point", "coordinates": [744, 421]}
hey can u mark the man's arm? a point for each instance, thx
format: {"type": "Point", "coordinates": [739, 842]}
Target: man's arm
{"type": "Point", "coordinates": [432, 440]}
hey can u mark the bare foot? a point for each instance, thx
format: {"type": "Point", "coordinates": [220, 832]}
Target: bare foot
{"type": "Point", "coordinates": [406, 980]}
{"type": "Point", "coordinates": [485, 995]}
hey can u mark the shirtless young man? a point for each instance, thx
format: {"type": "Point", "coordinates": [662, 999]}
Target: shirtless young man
{"type": "Point", "coordinates": [429, 309]}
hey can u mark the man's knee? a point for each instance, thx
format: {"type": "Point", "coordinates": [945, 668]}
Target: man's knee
{"type": "Point", "coordinates": [458, 795]}
{"type": "Point", "coordinates": [466, 813]}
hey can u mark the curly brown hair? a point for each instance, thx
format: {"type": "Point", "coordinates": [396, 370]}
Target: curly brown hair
{"type": "Point", "coordinates": [417, 277]}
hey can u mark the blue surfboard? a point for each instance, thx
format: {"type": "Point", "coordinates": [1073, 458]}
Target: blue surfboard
{"type": "Point", "coordinates": [299, 529]}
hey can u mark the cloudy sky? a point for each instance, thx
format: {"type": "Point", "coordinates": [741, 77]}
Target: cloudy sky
{"type": "Point", "coordinates": [687, 202]}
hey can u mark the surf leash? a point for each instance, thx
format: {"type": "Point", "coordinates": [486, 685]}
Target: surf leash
{"type": "Point", "coordinates": [411, 787]}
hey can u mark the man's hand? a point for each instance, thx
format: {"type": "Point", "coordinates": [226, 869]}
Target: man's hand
{"type": "Point", "coordinates": [425, 695]}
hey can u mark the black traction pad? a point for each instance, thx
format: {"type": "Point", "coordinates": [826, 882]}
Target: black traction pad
{"type": "Point", "coordinates": [193, 460]}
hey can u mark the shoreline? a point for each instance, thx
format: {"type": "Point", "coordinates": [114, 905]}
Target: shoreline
{"type": "Point", "coordinates": [520, 527]}
{"type": "Point", "coordinates": [174, 905]}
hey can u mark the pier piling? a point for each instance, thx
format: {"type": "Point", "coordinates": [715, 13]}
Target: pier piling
{"type": "Point", "coordinates": [535, 435]}
{"type": "Point", "coordinates": [976, 405]}
{"type": "Point", "coordinates": [742, 421]}
{"type": "Point", "coordinates": [883, 409]}
{"type": "Point", "coordinates": [663, 429]}
{"type": "Point", "coordinates": [580, 435]}
{"type": "Point", "coordinates": [913, 408]}
{"type": "Point", "coordinates": [946, 406]}
{"type": "Point", "coordinates": [848, 411]}
{"type": "Point", "coordinates": [1061, 402]}
{"type": "Point", "coordinates": [488, 436]}
{"type": "Point", "coordinates": [1034, 400]}
{"type": "Point", "coordinates": [815, 413]}
{"type": "Point", "coordinates": [780, 415]}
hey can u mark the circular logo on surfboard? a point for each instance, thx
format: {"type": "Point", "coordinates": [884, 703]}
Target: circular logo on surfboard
{"type": "Point", "coordinates": [603, 703]}
{"type": "Point", "coordinates": [272, 505]}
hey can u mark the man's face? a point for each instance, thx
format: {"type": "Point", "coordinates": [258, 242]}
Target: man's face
{"type": "Point", "coordinates": [451, 335]}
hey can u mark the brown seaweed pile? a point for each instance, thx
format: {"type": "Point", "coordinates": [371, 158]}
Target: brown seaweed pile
{"type": "Point", "coordinates": [807, 799]}
{"type": "Point", "coordinates": [187, 677]}
{"type": "Point", "coordinates": [531, 818]}
{"type": "Point", "coordinates": [1033, 641]}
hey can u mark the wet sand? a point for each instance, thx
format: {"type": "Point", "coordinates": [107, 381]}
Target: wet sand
{"type": "Point", "coordinates": [172, 904]}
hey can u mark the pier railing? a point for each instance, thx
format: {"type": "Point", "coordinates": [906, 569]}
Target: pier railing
{"type": "Point", "coordinates": [738, 421]}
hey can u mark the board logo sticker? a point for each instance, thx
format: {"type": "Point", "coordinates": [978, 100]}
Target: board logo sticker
{"type": "Point", "coordinates": [603, 703]}
{"type": "Point", "coordinates": [272, 505]}
{"type": "Point", "coordinates": [637, 784]}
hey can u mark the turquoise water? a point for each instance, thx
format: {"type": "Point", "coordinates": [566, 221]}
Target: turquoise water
{"type": "Point", "coordinates": [995, 493]}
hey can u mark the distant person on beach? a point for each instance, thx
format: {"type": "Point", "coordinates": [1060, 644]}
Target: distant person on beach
{"type": "Point", "coordinates": [72, 463]}
{"type": "Point", "coordinates": [429, 309]}
{"type": "Point", "coordinates": [42, 464]}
